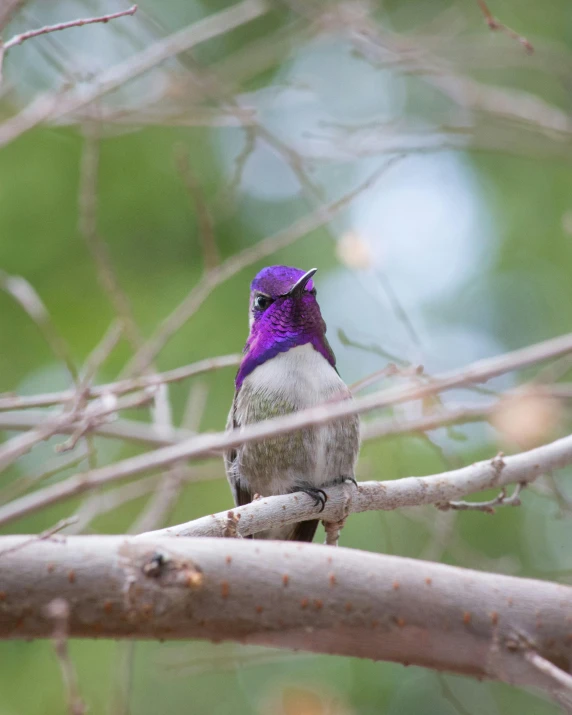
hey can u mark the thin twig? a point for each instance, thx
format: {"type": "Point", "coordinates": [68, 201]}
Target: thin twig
{"type": "Point", "coordinates": [122, 676]}
{"type": "Point", "coordinates": [14, 402]}
{"type": "Point", "coordinates": [204, 218]}
{"type": "Point", "coordinates": [59, 611]}
{"type": "Point", "coordinates": [487, 506]}
{"type": "Point", "coordinates": [47, 534]}
{"type": "Point", "coordinates": [124, 429]}
{"type": "Point", "coordinates": [562, 681]}
{"type": "Point", "coordinates": [87, 224]}
{"type": "Point", "coordinates": [112, 499]}
{"type": "Point", "coordinates": [557, 674]}
{"type": "Point", "coordinates": [94, 361]}
{"type": "Point", "coordinates": [25, 294]}
{"type": "Point", "coordinates": [391, 370]}
{"type": "Point", "coordinates": [23, 483]}
{"type": "Point", "coordinates": [95, 412]}
{"type": "Point", "coordinates": [59, 104]}
{"type": "Point", "coordinates": [166, 493]}
{"type": "Point", "coordinates": [101, 352]}
{"type": "Point", "coordinates": [495, 24]}
{"type": "Point", "coordinates": [195, 406]}
{"type": "Point", "coordinates": [75, 419]}
{"type": "Point", "coordinates": [22, 37]}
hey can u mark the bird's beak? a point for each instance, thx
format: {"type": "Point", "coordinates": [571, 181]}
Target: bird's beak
{"type": "Point", "coordinates": [300, 284]}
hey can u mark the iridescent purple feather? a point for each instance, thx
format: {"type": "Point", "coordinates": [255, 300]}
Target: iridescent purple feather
{"type": "Point", "coordinates": [287, 323]}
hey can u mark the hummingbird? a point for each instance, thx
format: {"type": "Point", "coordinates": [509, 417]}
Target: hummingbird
{"type": "Point", "coordinates": [288, 365]}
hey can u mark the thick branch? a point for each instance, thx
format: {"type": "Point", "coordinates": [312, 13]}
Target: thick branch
{"type": "Point", "coordinates": [288, 595]}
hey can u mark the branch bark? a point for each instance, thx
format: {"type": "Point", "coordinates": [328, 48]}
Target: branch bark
{"type": "Point", "coordinates": [370, 496]}
{"type": "Point", "coordinates": [288, 595]}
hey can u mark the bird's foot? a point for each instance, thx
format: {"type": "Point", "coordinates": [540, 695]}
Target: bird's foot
{"type": "Point", "coordinates": [350, 479]}
{"type": "Point", "coordinates": [318, 495]}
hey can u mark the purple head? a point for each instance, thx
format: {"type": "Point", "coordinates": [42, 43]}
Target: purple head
{"type": "Point", "coordinates": [284, 314]}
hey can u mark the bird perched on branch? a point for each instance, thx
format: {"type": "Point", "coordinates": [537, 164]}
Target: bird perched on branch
{"type": "Point", "coordinates": [288, 365]}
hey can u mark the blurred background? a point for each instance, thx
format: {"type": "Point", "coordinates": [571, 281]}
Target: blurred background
{"type": "Point", "coordinates": [460, 249]}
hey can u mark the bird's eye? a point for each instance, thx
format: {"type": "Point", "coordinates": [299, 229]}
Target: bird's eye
{"type": "Point", "coordinates": [261, 302]}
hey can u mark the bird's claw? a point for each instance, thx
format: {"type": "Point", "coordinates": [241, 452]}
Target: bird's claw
{"type": "Point", "coordinates": [318, 495]}
{"type": "Point", "coordinates": [352, 480]}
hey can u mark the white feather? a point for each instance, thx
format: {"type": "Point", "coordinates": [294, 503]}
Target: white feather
{"type": "Point", "coordinates": [301, 373]}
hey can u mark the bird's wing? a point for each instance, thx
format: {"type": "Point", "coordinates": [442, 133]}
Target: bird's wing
{"type": "Point", "coordinates": [239, 487]}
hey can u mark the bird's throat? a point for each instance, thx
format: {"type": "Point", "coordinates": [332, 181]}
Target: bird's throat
{"type": "Point", "coordinates": [260, 351]}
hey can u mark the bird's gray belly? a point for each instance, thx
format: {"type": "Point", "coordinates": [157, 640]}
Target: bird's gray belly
{"type": "Point", "coordinates": [314, 456]}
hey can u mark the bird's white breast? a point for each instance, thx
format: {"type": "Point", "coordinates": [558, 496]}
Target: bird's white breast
{"type": "Point", "coordinates": [292, 381]}
{"type": "Point", "coordinates": [302, 374]}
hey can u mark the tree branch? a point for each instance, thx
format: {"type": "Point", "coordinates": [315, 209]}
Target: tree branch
{"type": "Point", "coordinates": [370, 496]}
{"type": "Point", "coordinates": [15, 402]}
{"type": "Point", "coordinates": [129, 430]}
{"type": "Point", "coordinates": [495, 24]}
{"type": "Point", "coordinates": [206, 444]}
{"type": "Point", "coordinates": [22, 37]}
{"type": "Point", "coordinates": [286, 595]}
{"type": "Point", "coordinates": [55, 105]}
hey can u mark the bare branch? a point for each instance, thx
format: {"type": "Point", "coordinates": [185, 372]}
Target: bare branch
{"type": "Point", "coordinates": [8, 8]}
{"type": "Point", "coordinates": [77, 420]}
{"type": "Point", "coordinates": [53, 106]}
{"type": "Point", "coordinates": [495, 24]}
{"type": "Point", "coordinates": [48, 533]}
{"type": "Point", "coordinates": [58, 611]}
{"type": "Point", "coordinates": [167, 491]}
{"type": "Point", "coordinates": [487, 506]}
{"type": "Point", "coordinates": [12, 402]}
{"type": "Point", "coordinates": [25, 294]}
{"type": "Point", "coordinates": [205, 220]}
{"type": "Point", "coordinates": [369, 496]}
{"type": "Point", "coordinates": [19, 39]}
{"type": "Point", "coordinates": [561, 689]}
{"type": "Point", "coordinates": [129, 430]}
{"type": "Point", "coordinates": [97, 247]}
{"type": "Point", "coordinates": [205, 445]}
{"type": "Point", "coordinates": [24, 482]}
{"type": "Point", "coordinates": [287, 595]}
{"type": "Point", "coordinates": [101, 352]}
{"type": "Point", "coordinates": [124, 429]}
